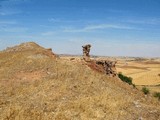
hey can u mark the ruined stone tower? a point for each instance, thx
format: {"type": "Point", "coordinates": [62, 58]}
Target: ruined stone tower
{"type": "Point", "coordinates": [86, 50]}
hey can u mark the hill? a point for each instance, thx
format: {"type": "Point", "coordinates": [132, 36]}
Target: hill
{"type": "Point", "coordinates": [35, 84]}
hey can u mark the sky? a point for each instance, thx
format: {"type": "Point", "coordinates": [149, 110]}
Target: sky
{"type": "Point", "coordinates": [112, 27]}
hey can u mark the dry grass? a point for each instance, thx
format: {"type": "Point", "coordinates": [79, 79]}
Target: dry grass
{"type": "Point", "coordinates": [48, 88]}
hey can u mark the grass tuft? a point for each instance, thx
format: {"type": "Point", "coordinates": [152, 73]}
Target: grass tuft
{"type": "Point", "coordinates": [145, 90]}
{"type": "Point", "coordinates": [157, 95]}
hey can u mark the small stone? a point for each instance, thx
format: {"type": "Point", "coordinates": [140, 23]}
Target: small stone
{"type": "Point", "coordinates": [49, 73]}
{"type": "Point", "coordinates": [140, 118]}
{"type": "Point", "coordinates": [136, 103]}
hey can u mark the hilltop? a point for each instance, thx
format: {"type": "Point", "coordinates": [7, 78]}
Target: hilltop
{"type": "Point", "coordinates": [37, 84]}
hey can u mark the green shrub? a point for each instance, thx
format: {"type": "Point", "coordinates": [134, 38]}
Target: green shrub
{"type": "Point", "coordinates": [134, 85]}
{"type": "Point", "coordinates": [157, 94]}
{"type": "Point", "coordinates": [125, 79]}
{"type": "Point", "coordinates": [145, 90]}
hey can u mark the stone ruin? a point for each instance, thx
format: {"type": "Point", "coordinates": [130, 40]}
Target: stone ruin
{"type": "Point", "coordinates": [108, 67]}
{"type": "Point", "coordinates": [86, 50]}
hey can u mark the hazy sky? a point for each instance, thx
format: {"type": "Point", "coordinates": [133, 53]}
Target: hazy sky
{"type": "Point", "coordinates": [112, 27]}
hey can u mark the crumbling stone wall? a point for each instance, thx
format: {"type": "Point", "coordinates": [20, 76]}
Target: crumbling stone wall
{"type": "Point", "coordinates": [86, 50]}
{"type": "Point", "coordinates": [109, 67]}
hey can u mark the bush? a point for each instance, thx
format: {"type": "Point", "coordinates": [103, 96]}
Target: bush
{"type": "Point", "coordinates": [145, 90]}
{"type": "Point", "coordinates": [157, 94]}
{"type": "Point", "coordinates": [134, 85]}
{"type": "Point", "coordinates": [125, 79]}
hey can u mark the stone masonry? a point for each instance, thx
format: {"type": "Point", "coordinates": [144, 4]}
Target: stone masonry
{"type": "Point", "coordinates": [86, 50]}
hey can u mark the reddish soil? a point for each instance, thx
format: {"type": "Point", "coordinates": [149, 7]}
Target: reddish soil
{"type": "Point", "coordinates": [96, 67]}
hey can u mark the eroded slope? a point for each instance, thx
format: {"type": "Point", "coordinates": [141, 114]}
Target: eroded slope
{"type": "Point", "coordinates": [36, 85]}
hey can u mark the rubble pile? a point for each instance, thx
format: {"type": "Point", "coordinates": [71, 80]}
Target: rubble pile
{"type": "Point", "coordinates": [109, 67]}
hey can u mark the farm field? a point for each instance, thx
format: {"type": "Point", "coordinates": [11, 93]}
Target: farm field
{"type": "Point", "coordinates": [143, 73]}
